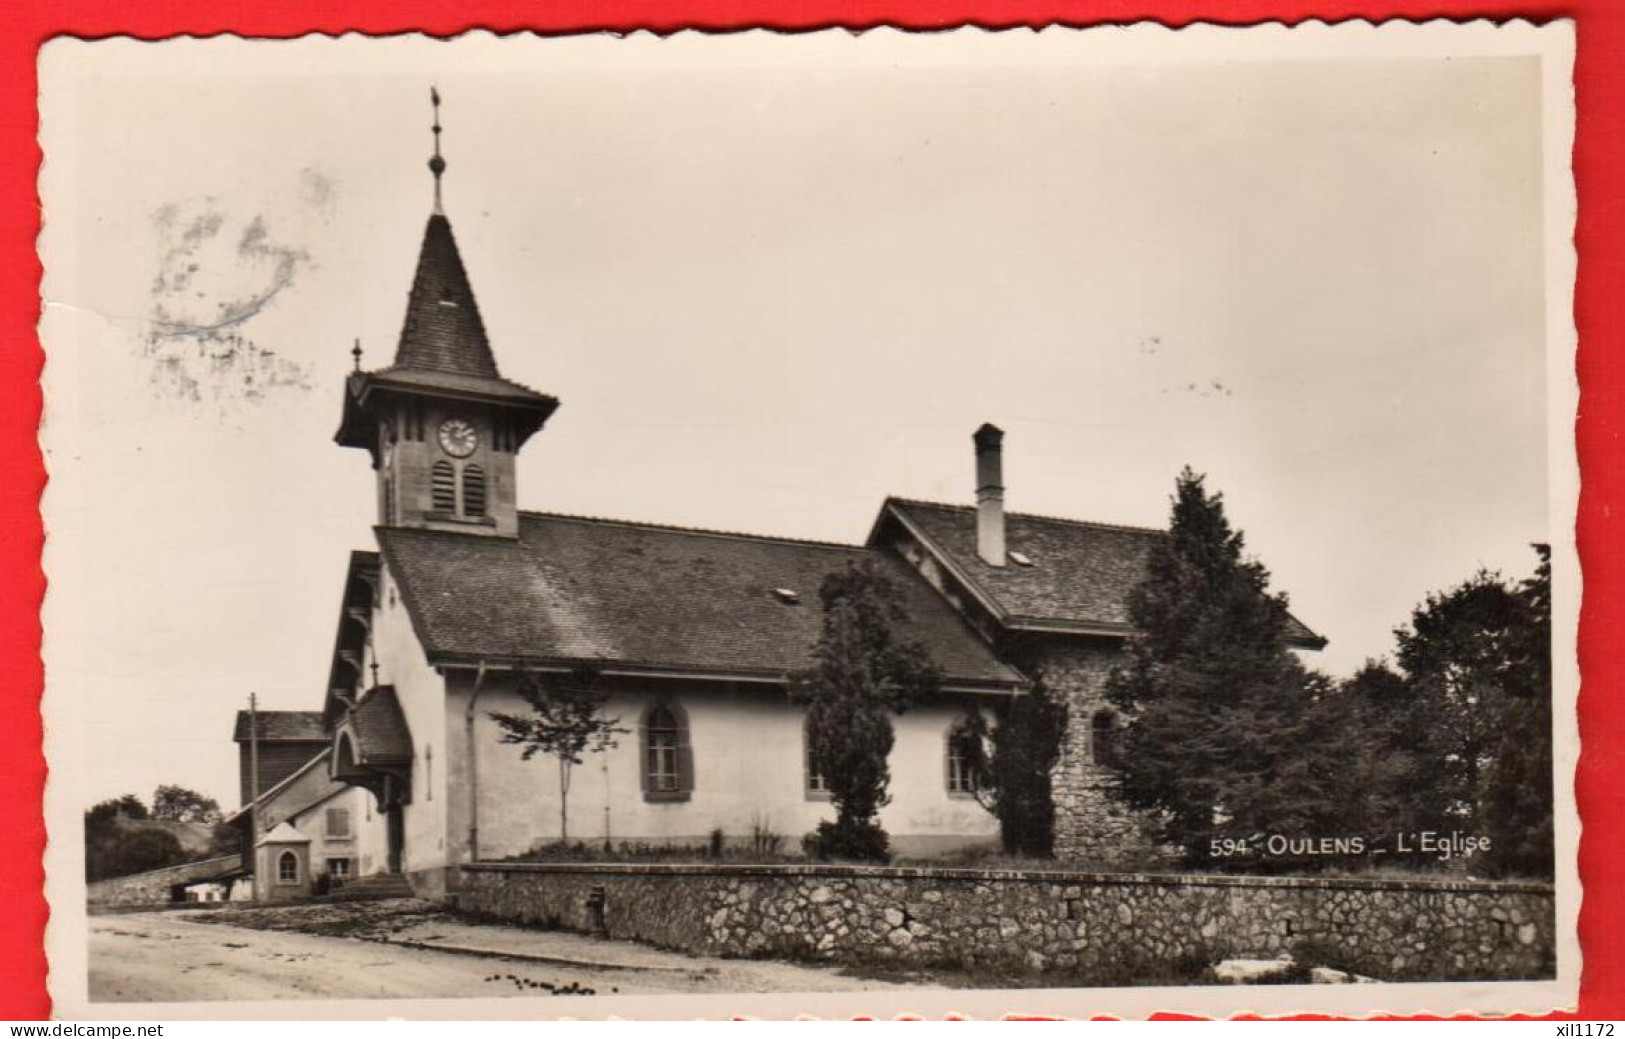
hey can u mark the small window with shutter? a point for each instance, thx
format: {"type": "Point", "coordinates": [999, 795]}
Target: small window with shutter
{"type": "Point", "coordinates": [443, 487]}
{"type": "Point", "coordinates": [667, 759]}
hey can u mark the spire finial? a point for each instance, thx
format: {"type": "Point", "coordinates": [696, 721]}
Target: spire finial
{"type": "Point", "coordinates": [355, 352]}
{"type": "Point", "coordinates": [437, 165]}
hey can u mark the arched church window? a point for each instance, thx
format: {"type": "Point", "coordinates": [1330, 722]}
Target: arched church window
{"type": "Point", "coordinates": [443, 487]}
{"type": "Point", "coordinates": [287, 868]}
{"type": "Point", "coordinates": [1103, 732]}
{"type": "Point", "coordinates": [668, 761]}
{"type": "Point", "coordinates": [473, 491]}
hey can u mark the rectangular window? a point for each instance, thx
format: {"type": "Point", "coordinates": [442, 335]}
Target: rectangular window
{"type": "Point", "coordinates": [338, 867]}
{"type": "Point", "coordinates": [817, 788]}
{"type": "Point", "coordinates": [338, 822]}
{"type": "Point", "coordinates": [662, 765]}
{"type": "Point", "coordinates": [961, 764]}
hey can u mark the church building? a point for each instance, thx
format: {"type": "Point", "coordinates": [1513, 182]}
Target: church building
{"type": "Point", "coordinates": [692, 634]}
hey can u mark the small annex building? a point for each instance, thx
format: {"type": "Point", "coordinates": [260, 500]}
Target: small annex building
{"type": "Point", "coordinates": [692, 634]}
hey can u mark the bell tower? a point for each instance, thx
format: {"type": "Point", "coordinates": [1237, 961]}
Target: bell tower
{"type": "Point", "coordinates": [441, 423]}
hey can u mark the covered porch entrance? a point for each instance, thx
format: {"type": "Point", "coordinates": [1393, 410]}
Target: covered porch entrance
{"type": "Point", "coordinates": [372, 749]}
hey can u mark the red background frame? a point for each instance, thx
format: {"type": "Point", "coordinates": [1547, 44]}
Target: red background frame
{"type": "Point", "coordinates": [1599, 155]}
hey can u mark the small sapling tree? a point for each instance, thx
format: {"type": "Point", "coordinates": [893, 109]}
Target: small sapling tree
{"type": "Point", "coordinates": [565, 722]}
{"type": "Point", "coordinates": [862, 675]}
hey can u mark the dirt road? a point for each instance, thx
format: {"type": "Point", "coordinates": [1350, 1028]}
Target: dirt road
{"type": "Point", "coordinates": [161, 957]}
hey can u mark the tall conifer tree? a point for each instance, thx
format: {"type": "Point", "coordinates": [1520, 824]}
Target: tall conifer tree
{"type": "Point", "coordinates": [862, 676]}
{"type": "Point", "coordinates": [1220, 742]}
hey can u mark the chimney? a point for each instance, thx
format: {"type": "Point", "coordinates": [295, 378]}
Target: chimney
{"type": "Point", "coordinates": [990, 494]}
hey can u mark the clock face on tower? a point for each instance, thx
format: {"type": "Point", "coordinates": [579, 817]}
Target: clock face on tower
{"type": "Point", "coordinates": [458, 438]}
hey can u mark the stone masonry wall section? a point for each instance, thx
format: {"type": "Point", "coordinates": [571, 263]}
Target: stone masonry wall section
{"type": "Point", "coordinates": [1088, 925]}
{"type": "Point", "coordinates": [1091, 825]}
{"type": "Point", "coordinates": [154, 886]}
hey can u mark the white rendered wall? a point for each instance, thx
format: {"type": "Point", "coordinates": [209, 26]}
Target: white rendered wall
{"type": "Point", "coordinates": [422, 694]}
{"type": "Point", "coordinates": [748, 769]}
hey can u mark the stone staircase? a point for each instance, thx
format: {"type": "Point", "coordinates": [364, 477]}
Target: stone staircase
{"type": "Point", "coordinates": [372, 888]}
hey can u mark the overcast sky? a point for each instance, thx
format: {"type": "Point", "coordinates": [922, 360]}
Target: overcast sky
{"type": "Point", "coordinates": [769, 293]}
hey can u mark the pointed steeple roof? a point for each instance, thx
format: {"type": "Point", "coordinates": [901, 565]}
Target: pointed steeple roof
{"type": "Point", "coordinates": [443, 331]}
{"type": "Point", "coordinates": [443, 349]}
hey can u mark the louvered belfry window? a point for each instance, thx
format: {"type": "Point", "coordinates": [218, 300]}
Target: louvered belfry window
{"type": "Point", "coordinates": [443, 487]}
{"type": "Point", "coordinates": [473, 491]}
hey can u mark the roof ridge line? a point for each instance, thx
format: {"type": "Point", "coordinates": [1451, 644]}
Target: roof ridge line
{"type": "Point", "coordinates": [1093, 524]}
{"type": "Point", "coordinates": [739, 535]}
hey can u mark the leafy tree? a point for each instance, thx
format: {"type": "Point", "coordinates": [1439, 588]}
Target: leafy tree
{"type": "Point", "coordinates": [224, 839]}
{"type": "Point", "coordinates": [104, 814]}
{"type": "Point", "coordinates": [1220, 740]}
{"type": "Point", "coordinates": [178, 804]}
{"type": "Point", "coordinates": [1477, 662]}
{"type": "Point", "coordinates": [1014, 782]}
{"type": "Point", "coordinates": [139, 850]}
{"type": "Point", "coordinates": [564, 723]}
{"type": "Point", "coordinates": [119, 840]}
{"type": "Point", "coordinates": [1456, 653]}
{"type": "Point", "coordinates": [1381, 763]}
{"type": "Point", "coordinates": [862, 674]}
{"type": "Point", "coordinates": [1518, 803]}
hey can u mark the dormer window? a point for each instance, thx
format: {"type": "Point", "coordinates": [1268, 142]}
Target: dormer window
{"type": "Point", "coordinates": [788, 596]}
{"type": "Point", "coordinates": [1021, 558]}
{"type": "Point", "coordinates": [449, 303]}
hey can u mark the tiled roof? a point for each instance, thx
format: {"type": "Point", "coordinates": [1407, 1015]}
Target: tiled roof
{"type": "Point", "coordinates": [381, 734]}
{"type": "Point", "coordinates": [574, 588]}
{"type": "Point", "coordinates": [282, 833]}
{"type": "Point", "coordinates": [493, 387]}
{"type": "Point", "coordinates": [283, 726]}
{"type": "Point", "coordinates": [443, 330]}
{"type": "Point", "coordinates": [1082, 573]}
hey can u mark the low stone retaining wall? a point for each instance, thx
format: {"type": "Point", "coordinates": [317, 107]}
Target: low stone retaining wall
{"type": "Point", "coordinates": [154, 886]}
{"type": "Point", "coordinates": [1102, 928]}
{"type": "Point", "coordinates": [165, 907]}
